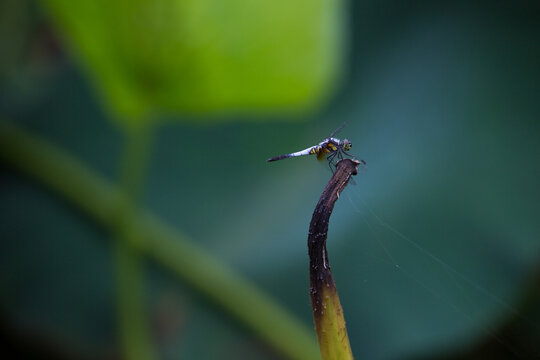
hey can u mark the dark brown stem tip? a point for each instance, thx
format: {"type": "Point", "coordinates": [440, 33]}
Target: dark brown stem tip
{"type": "Point", "coordinates": [351, 165]}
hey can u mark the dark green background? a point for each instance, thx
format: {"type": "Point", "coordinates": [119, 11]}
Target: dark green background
{"type": "Point", "coordinates": [443, 100]}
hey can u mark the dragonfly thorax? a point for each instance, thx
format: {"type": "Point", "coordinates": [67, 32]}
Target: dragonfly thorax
{"type": "Point", "coordinates": [334, 144]}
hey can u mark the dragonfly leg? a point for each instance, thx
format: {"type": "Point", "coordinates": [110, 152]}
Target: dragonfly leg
{"type": "Point", "coordinates": [331, 161]}
{"type": "Point", "coordinates": [332, 156]}
{"type": "Point", "coordinates": [349, 155]}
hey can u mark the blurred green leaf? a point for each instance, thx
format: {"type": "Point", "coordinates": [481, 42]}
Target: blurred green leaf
{"type": "Point", "coordinates": [205, 56]}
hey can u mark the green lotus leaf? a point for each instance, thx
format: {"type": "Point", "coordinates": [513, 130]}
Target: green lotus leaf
{"type": "Point", "coordinates": [205, 57]}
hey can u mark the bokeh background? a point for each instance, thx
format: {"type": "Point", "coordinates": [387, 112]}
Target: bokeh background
{"type": "Point", "coordinates": [435, 251]}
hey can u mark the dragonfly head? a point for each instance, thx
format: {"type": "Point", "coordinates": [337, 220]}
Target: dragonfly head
{"type": "Point", "coordinates": [347, 145]}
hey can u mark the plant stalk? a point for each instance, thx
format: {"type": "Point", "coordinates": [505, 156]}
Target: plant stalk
{"type": "Point", "coordinates": [327, 312]}
{"type": "Point", "coordinates": [135, 334]}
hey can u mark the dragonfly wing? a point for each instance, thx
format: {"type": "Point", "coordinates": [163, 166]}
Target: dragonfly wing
{"type": "Point", "coordinates": [339, 129]}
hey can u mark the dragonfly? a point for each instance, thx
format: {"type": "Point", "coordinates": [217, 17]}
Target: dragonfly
{"type": "Point", "coordinates": [331, 148]}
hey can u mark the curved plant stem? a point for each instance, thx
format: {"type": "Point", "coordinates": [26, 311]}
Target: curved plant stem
{"type": "Point", "coordinates": [327, 311]}
{"type": "Point", "coordinates": [98, 198]}
{"type": "Point", "coordinates": [134, 332]}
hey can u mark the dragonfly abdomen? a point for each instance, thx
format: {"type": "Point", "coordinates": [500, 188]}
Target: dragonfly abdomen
{"type": "Point", "coordinates": [308, 151]}
{"type": "Point", "coordinates": [276, 158]}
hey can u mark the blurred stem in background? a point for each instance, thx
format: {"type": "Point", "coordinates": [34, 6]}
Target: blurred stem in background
{"type": "Point", "coordinates": [132, 320]}
{"type": "Point", "coordinates": [96, 197]}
